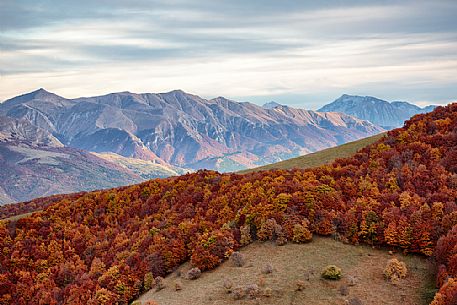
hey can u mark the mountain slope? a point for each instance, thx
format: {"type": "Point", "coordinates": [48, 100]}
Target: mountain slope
{"type": "Point", "coordinates": [34, 163]}
{"type": "Point", "coordinates": [185, 130]}
{"type": "Point", "coordinates": [107, 246]}
{"type": "Point", "coordinates": [321, 157]}
{"type": "Point", "coordinates": [12, 130]}
{"type": "Point", "coordinates": [380, 112]}
{"type": "Point", "coordinates": [29, 172]}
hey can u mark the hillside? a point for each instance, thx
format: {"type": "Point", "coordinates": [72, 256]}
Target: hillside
{"type": "Point", "coordinates": [146, 169]}
{"type": "Point", "coordinates": [389, 115]}
{"type": "Point", "coordinates": [184, 130]}
{"type": "Point", "coordinates": [106, 247]}
{"type": "Point", "coordinates": [321, 157]}
{"type": "Point", "coordinates": [36, 171]}
{"type": "Point", "coordinates": [295, 263]}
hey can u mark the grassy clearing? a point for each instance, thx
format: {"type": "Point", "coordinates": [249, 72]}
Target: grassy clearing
{"type": "Point", "coordinates": [298, 262]}
{"type": "Point", "coordinates": [17, 217]}
{"type": "Point", "coordinates": [321, 157]}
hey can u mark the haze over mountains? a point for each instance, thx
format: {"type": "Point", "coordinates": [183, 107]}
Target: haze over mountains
{"type": "Point", "coordinates": [121, 138]}
{"type": "Point", "coordinates": [380, 112]}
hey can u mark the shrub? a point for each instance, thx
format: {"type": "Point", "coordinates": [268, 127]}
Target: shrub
{"type": "Point", "coordinates": [301, 232]}
{"type": "Point", "coordinates": [245, 235]}
{"type": "Point", "coordinates": [193, 274]}
{"type": "Point", "coordinates": [159, 283]}
{"type": "Point", "coordinates": [267, 230]}
{"type": "Point", "coordinates": [211, 248]}
{"type": "Point", "coordinates": [268, 268]}
{"type": "Point", "coordinates": [395, 270]}
{"type": "Point", "coordinates": [238, 259]}
{"type": "Point", "coordinates": [355, 301]}
{"type": "Point", "coordinates": [178, 285]}
{"type": "Point", "coordinates": [148, 281]}
{"type": "Point", "coordinates": [239, 293]}
{"type": "Point", "coordinates": [228, 285]}
{"type": "Point", "coordinates": [268, 292]}
{"type": "Point", "coordinates": [332, 272]}
{"type": "Point", "coordinates": [252, 291]}
{"type": "Point", "coordinates": [280, 235]}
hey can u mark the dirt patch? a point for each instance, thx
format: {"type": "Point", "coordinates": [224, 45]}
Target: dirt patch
{"type": "Point", "coordinates": [296, 277]}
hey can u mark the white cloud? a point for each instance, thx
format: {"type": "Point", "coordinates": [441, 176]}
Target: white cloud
{"type": "Point", "coordinates": [238, 51]}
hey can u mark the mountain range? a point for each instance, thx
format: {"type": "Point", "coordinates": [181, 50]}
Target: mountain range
{"type": "Point", "coordinates": [50, 144]}
{"type": "Point", "coordinates": [185, 130]}
{"type": "Point", "coordinates": [388, 115]}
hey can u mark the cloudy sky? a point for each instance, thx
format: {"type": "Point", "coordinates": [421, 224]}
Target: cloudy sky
{"type": "Point", "coordinates": [301, 53]}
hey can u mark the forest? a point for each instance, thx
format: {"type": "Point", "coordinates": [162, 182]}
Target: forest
{"type": "Point", "coordinates": [101, 247]}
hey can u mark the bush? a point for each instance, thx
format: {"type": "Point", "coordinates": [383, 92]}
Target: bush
{"type": "Point", "coordinates": [239, 293]}
{"type": "Point", "coordinates": [268, 268]}
{"type": "Point", "coordinates": [268, 292]}
{"type": "Point", "coordinates": [331, 272]}
{"type": "Point", "coordinates": [211, 248]}
{"type": "Point", "coordinates": [267, 230]}
{"type": "Point", "coordinates": [355, 301]}
{"type": "Point", "coordinates": [228, 285]}
{"type": "Point", "coordinates": [395, 270]}
{"type": "Point", "coordinates": [159, 283]}
{"type": "Point", "coordinates": [193, 274]}
{"type": "Point", "coordinates": [178, 285]}
{"type": "Point", "coordinates": [238, 259]}
{"type": "Point", "coordinates": [280, 235]}
{"type": "Point", "coordinates": [245, 235]}
{"type": "Point", "coordinates": [148, 281]}
{"type": "Point", "coordinates": [301, 232]}
{"type": "Point", "coordinates": [251, 291]}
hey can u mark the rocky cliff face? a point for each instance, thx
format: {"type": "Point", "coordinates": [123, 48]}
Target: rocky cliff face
{"type": "Point", "coordinates": [185, 130]}
{"type": "Point", "coordinates": [20, 130]}
{"type": "Point", "coordinates": [380, 112]}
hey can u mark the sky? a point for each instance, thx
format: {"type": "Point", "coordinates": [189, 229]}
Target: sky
{"type": "Point", "coordinates": [300, 53]}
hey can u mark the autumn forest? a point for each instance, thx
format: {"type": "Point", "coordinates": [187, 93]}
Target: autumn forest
{"type": "Point", "coordinates": [103, 247]}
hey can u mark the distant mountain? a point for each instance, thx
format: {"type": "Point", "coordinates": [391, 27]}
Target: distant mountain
{"type": "Point", "coordinates": [271, 105]}
{"type": "Point", "coordinates": [185, 130]}
{"type": "Point", "coordinates": [34, 163]}
{"type": "Point", "coordinates": [14, 130]}
{"type": "Point", "coordinates": [379, 112]}
{"type": "Point", "coordinates": [28, 172]}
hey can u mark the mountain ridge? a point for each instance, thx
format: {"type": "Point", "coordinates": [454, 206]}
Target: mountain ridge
{"type": "Point", "coordinates": [386, 114]}
{"type": "Point", "coordinates": [184, 129]}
